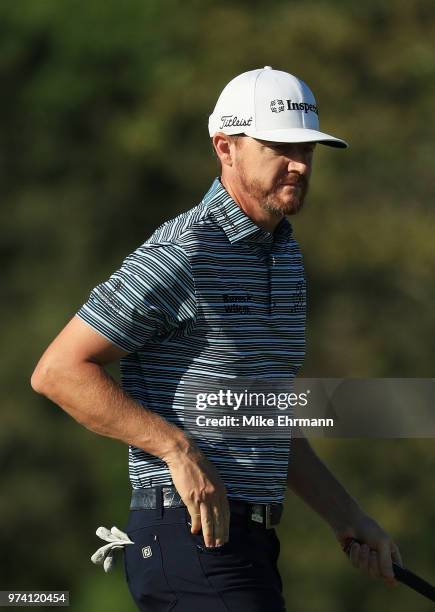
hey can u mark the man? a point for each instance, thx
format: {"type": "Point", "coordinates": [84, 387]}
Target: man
{"type": "Point", "coordinates": [216, 294]}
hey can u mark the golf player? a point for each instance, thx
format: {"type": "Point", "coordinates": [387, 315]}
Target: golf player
{"type": "Point", "coordinates": [214, 297]}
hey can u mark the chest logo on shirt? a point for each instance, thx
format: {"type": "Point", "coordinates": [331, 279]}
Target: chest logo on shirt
{"type": "Point", "coordinates": [237, 303]}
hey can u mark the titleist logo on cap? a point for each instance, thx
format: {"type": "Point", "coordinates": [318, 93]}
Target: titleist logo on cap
{"type": "Point", "coordinates": [277, 106]}
{"type": "Point", "coordinates": [234, 121]}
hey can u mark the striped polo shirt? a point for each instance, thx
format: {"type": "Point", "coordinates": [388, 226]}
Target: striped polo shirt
{"type": "Point", "coordinates": [209, 296]}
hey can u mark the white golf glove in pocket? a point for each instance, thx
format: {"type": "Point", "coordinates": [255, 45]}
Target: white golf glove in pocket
{"type": "Point", "coordinates": [116, 539]}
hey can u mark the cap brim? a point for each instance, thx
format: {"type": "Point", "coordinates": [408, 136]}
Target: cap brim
{"type": "Point", "coordinates": [297, 135]}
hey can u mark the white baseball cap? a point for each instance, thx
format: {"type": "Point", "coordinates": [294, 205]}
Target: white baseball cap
{"type": "Point", "coordinates": [269, 105]}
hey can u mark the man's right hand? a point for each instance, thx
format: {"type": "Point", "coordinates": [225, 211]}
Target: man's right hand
{"type": "Point", "coordinates": [203, 491]}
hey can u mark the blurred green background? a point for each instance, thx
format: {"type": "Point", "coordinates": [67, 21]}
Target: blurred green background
{"type": "Point", "coordinates": [103, 135]}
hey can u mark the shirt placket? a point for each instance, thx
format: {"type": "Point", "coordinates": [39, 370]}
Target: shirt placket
{"type": "Point", "coordinates": [271, 261]}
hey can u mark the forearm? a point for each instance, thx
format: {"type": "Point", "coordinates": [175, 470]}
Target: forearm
{"type": "Point", "coordinates": [87, 393]}
{"type": "Point", "coordinates": [312, 481]}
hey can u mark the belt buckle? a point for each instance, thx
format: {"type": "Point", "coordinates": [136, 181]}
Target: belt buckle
{"type": "Point", "coordinates": [257, 513]}
{"type": "Point", "coordinates": [262, 513]}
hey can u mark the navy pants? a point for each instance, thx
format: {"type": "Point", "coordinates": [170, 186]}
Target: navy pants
{"type": "Point", "coordinates": [168, 568]}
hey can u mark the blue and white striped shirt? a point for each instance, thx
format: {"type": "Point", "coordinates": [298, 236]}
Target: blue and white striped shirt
{"type": "Point", "coordinates": [210, 295]}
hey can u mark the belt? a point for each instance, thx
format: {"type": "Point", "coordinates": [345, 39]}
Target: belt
{"type": "Point", "coordinates": [267, 515]}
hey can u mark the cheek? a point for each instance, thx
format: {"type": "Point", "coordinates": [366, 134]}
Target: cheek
{"type": "Point", "coordinates": [254, 170]}
{"type": "Point", "coordinates": [270, 169]}
{"type": "Point", "coordinates": [277, 171]}
{"type": "Point", "coordinates": [263, 170]}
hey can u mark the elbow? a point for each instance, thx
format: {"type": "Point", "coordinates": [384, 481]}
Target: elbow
{"type": "Point", "coordinates": [42, 378]}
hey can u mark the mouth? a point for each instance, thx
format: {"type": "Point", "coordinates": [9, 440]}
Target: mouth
{"type": "Point", "coordinates": [294, 180]}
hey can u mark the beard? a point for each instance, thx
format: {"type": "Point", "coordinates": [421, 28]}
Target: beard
{"type": "Point", "coordinates": [273, 199]}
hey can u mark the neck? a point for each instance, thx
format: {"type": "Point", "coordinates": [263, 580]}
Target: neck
{"type": "Point", "coordinates": [266, 219]}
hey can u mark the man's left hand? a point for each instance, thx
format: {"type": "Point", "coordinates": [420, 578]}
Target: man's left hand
{"type": "Point", "coordinates": [377, 551]}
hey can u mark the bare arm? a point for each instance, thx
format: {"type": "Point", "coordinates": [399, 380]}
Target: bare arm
{"type": "Point", "coordinates": [71, 374]}
{"type": "Point", "coordinates": [313, 482]}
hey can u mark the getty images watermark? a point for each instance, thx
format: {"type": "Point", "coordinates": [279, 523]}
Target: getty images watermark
{"type": "Point", "coordinates": [315, 407]}
{"type": "Point", "coordinates": [248, 408]}
{"type": "Point", "coordinates": [257, 409]}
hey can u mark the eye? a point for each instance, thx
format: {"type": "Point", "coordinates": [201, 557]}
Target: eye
{"type": "Point", "coordinates": [280, 148]}
{"type": "Point", "coordinates": [293, 149]}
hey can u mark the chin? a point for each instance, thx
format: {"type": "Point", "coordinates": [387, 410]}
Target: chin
{"type": "Point", "coordinates": [293, 211]}
{"type": "Point", "coordinates": [280, 207]}
{"type": "Point", "coordinates": [291, 208]}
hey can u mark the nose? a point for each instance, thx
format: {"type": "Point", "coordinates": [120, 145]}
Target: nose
{"type": "Point", "coordinates": [302, 167]}
{"type": "Point", "coordinates": [300, 159]}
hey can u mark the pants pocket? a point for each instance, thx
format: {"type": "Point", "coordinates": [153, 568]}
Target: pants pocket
{"type": "Point", "coordinates": [210, 550]}
{"type": "Point", "coordinates": [198, 540]}
{"type": "Point", "coordinates": [235, 552]}
{"type": "Point", "coordinates": [145, 572]}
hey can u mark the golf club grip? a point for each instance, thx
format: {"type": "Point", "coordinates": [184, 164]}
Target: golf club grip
{"type": "Point", "coordinates": [403, 575]}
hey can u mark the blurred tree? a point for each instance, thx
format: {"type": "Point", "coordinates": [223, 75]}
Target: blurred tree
{"type": "Point", "coordinates": [103, 117]}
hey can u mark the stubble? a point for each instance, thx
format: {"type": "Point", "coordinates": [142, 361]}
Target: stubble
{"type": "Point", "coordinates": [271, 200]}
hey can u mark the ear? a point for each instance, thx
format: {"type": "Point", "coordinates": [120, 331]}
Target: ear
{"type": "Point", "coordinates": [224, 148]}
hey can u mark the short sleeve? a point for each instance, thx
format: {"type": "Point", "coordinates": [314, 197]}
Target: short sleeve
{"type": "Point", "coordinates": [151, 295]}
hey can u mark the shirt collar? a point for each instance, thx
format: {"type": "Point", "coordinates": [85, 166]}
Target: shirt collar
{"type": "Point", "coordinates": [236, 224]}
